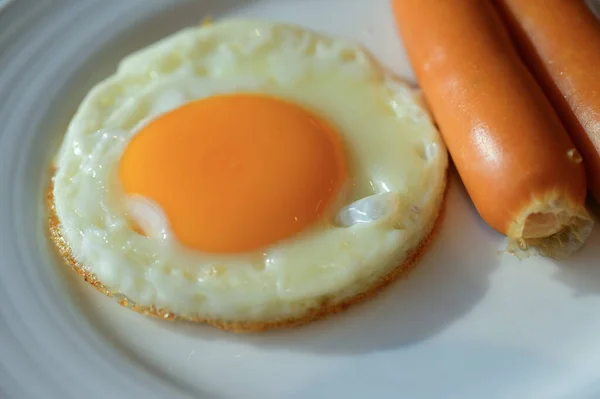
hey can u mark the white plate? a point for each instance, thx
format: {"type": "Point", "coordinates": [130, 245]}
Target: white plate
{"type": "Point", "coordinates": [469, 322]}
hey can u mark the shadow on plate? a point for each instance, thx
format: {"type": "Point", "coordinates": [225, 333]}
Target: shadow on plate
{"type": "Point", "coordinates": [493, 369]}
{"type": "Point", "coordinates": [451, 279]}
{"type": "Point", "coordinates": [581, 271]}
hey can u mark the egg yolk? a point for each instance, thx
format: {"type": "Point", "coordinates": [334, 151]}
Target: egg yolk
{"type": "Point", "coordinates": [235, 173]}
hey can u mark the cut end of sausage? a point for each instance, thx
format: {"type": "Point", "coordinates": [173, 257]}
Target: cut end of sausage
{"type": "Point", "coordinates": [544, 224]}
{"type": "Point", "coordinates": [550, 230]}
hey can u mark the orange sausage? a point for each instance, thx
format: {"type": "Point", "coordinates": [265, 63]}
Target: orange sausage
{"type": "Point", "coordinates": [560, 42]}
{"type": "Point", "coordinates": [512, 153]}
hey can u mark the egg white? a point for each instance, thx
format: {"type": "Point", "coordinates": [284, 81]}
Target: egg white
{"type": "Point", "coordinates": [396, 158]}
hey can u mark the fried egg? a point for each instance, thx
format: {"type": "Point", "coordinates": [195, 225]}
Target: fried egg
{"type": "Point", "coordinates": [248, 174]}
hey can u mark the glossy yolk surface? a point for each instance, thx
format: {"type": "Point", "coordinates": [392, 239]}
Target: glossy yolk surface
{"type": "Point", "coordinates": [235, 173]}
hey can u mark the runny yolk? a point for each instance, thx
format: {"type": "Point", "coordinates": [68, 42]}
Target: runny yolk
{"type": "Point", "coordinates": [235, 173]}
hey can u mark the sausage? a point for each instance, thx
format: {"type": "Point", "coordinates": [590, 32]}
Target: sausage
{"type": "Point", "coordinates": [560, 42]}
{"type": "Point", "coordinates": [513, 154]}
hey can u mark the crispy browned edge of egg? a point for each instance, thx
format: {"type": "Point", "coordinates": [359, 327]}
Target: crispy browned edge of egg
{"type": "Point", "coordinates": [327, 306]}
